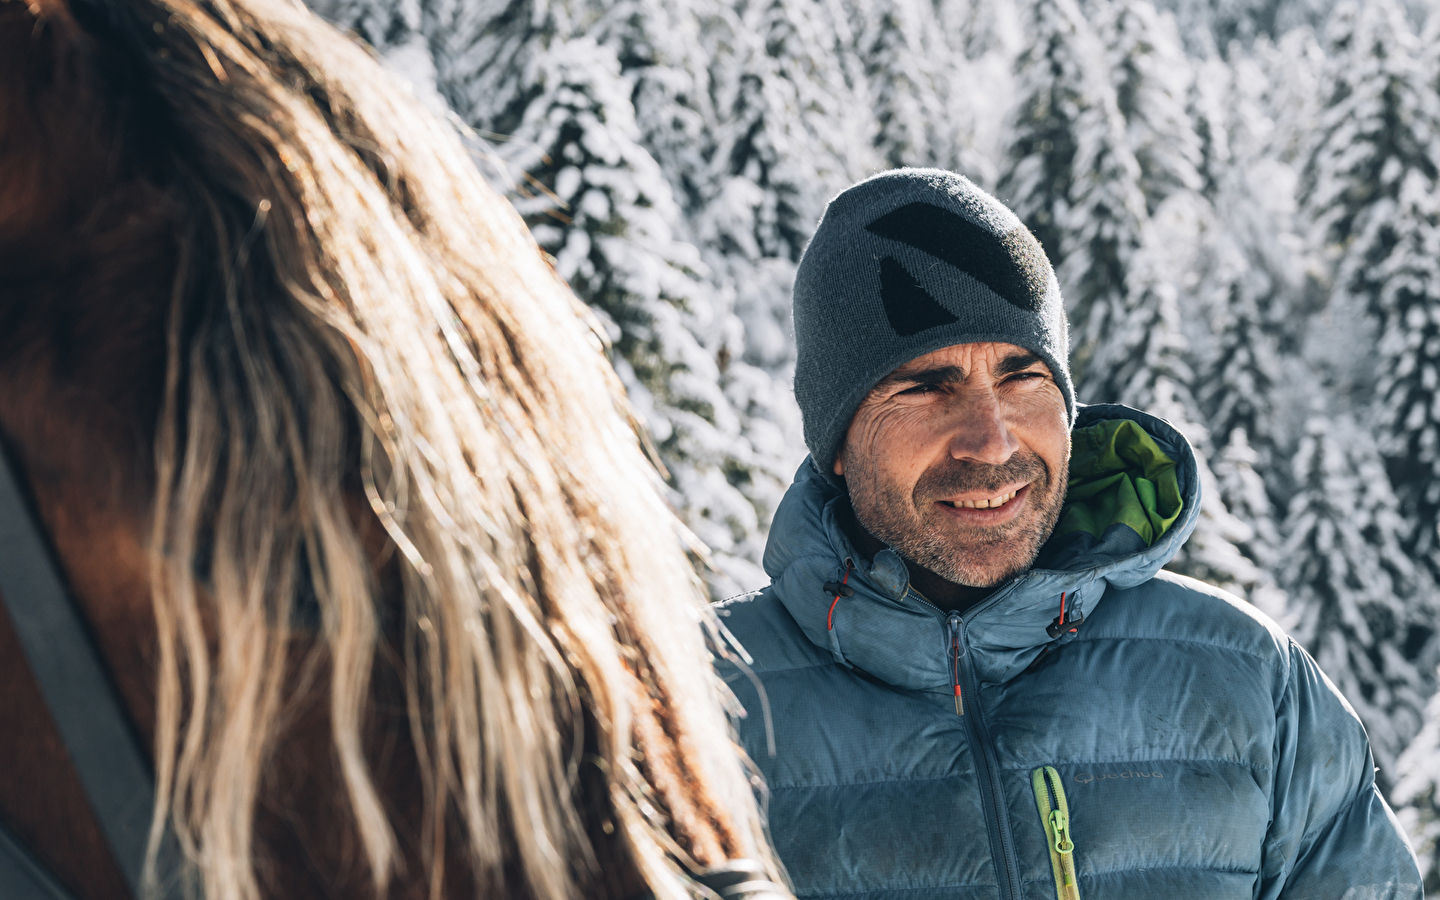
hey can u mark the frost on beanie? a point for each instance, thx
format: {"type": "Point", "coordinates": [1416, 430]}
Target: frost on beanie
{"type": "Point", "coordinates": [904, 263]}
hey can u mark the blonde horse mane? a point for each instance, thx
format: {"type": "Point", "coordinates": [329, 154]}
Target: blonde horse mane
{"type": "Point", "coordinates": [389, 436]}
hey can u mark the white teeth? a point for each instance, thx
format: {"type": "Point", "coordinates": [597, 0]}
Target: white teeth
{"type": "Point", "coordinates": [985, 504]}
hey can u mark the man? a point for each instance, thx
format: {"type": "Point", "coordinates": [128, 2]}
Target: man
{"type": "Point", "coordinates": [969, 677]}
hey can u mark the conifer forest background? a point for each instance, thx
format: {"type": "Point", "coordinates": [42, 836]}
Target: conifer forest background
{"type": "Point", "coordinates": [1239, 196]}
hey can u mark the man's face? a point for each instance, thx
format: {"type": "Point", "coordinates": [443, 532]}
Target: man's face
{"type": "Point", "coordinates": [958, 460]}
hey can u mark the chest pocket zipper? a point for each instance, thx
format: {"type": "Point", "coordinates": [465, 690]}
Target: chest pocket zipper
{"type": "Point", "coordinates": [1055, 815]}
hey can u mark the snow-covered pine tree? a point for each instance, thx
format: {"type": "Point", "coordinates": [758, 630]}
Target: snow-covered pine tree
{"type": "Point", "coordinates": [1349, 579]}
{"type": "Point", "coordinates": [1373, 102]}
{"type": "Point", "coordinates": [485, 54]}
{"type": "Point", "coordinates": [1071, 175]}
{"type": "Point", "coordinates": [672, 69]}
{"type": "Point", "coordinates": [661, 54]}
{"type": "Point", "coordinates": [1372, 185]}
{"type": "Point", "coordinates": [897, 43]}
{"type": "Point", "coordinates": [792, 126]}
{"type": "Point", "coordinates": [380, 23]}
{"type": "Point", "coordinates": [1238, 394]}
{"type": "Point", "coordinates": [987, 35]}
{"type": "Point", "coordinates": [1416, 795]}
{"type": "Point", "coordinates": [1403, 287]}
{"type": "Point", "coordinates": [481, 53]}
{"type": "Point", "coordinates": [1138, 355]}
{"type": "Point", "coordinates": [1230, 28]}
{"type": "Point", "coordinates": [1210, 27]}
{"type": "Point", "coordinates": [789, 126]}
{"type": "Point", "coordinates": [1151, 75]}
{"type": "Point", "coordinates": [606, 213]}
{"type": "Point", "coordinates": [921, 83]}
{"type": "Point", "coordinates": [1248, 280]}
{"type": "Point", "coordinates": [561, 108]}
{"type": "Point", "coordinates": [1285, 76]}
{"type": "Point", "coordinates": [1376, 130]}
{"type": "Point", "coordinates": [788, 131]}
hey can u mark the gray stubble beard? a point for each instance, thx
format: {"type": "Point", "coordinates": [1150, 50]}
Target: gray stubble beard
{"type": "Point", "coordinates": [882, 512]}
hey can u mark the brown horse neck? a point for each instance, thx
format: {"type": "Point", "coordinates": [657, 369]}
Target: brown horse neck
{"type": "Point", "coordinates": [81, 354]}
{"type": "Point", "coordinates": [82, 468]}
{"type": "Point", "coordinates": [72, 420]}
{"type": "Point", "coordinates": [88, 250]}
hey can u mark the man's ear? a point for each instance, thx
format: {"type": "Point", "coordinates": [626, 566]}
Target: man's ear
{"type": "Point", "coordinates": [839, 467]}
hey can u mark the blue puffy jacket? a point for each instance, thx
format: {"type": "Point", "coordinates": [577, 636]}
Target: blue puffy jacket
{"type": "Point", "coordinates": [1168, 741]}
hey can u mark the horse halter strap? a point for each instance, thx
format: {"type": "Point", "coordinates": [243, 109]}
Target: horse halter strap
{"type": "Point", "coordinates": [103, 747]}
{"type": "Point", "coordinates": [742, 879]}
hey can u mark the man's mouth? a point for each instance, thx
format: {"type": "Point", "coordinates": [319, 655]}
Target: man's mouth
{"type": "Point", "coordinates": [984, 502]}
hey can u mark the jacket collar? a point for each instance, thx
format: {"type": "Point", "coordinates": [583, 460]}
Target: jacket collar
{"type": "Point", "coordinates": [886, 629]}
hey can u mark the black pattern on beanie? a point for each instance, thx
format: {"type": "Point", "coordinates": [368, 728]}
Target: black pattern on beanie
{"type": "Point", "coordinates": [1011, 264]}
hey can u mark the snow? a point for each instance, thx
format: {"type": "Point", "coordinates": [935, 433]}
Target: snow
{"type": "Point", "coordinates": [1350, 580]}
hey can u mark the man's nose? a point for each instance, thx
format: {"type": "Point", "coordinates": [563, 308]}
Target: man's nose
{"type": "Point", "coordinates": [980, 433]}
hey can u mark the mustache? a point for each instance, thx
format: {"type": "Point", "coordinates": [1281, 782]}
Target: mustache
{"type": "Point", "coordinates": [958, 476]}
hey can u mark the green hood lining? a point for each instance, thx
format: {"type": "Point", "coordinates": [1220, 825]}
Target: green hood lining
{"type": "Point", "coordinates": [1120, 476]}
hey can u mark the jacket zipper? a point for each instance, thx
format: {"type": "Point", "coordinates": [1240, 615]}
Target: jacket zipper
{"type": "Point", "coordinates": [953, 626]}
{"type": "Point", "coordinates": [1055, 816]}
{"type": "Point", "coordinates": [987, 766]}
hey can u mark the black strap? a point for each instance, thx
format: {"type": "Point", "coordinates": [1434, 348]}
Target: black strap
{"type": "Point", "coordinates": [21, 875]}
{"type": "Point", "coordinates": [103, 747]}
{"type": "Point", "coordinates": [742, 879]}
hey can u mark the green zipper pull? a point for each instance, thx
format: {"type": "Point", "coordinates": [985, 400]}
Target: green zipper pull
{"type": "Point", "coordinates": [1055, 816]}
{"type": "Point", "coordinates": [1060, 827]}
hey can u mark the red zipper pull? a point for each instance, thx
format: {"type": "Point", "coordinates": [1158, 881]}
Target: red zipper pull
{"type": "Point", "coordinates": [954, 624]}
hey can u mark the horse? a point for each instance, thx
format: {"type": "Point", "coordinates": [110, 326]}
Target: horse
{"type": "Point", "coordinates": [336, 473]}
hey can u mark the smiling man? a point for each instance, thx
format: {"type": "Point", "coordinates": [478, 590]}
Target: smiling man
{"type": "Point", "coordinates": [969, 677]}
{"type": "Point", "coordinates": [957, 461]}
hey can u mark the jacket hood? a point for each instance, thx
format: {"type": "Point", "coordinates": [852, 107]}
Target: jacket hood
{"type": "Point", "coordinates": [887, 630]}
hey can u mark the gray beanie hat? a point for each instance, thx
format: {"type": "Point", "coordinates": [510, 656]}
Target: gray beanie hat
{"type": "Point", "coordinates": [904, 263]}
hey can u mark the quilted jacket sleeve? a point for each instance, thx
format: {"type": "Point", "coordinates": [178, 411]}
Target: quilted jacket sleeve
{"type": "Point", "coordinates": [1332, 836]}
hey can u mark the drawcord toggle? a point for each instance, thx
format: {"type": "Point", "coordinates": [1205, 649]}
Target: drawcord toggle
{"type": "Point", "coordinates": [840, 589]}
{"type": "Point", "coordinates": [1062, 624]}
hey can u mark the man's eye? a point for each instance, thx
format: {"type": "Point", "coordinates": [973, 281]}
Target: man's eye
{"type": "Point", "coordinates": [919, 389]}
